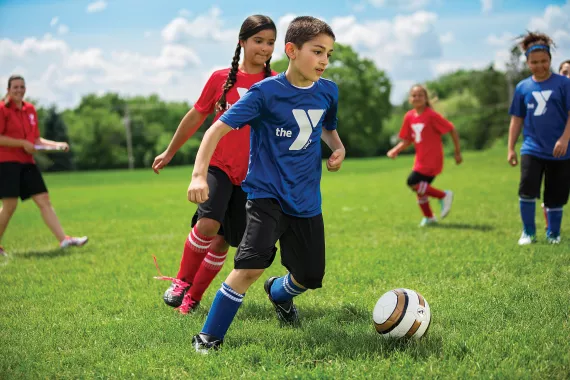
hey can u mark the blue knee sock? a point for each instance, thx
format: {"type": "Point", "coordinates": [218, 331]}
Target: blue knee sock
{"type": "Point", "coordinates": [528, 210]}
{"type": "Point", "coordinates": [554, 220]}
{"type": "Point", "coordinates": [222, 313]}
{"type": "Point", "coordinates": [283, 289]}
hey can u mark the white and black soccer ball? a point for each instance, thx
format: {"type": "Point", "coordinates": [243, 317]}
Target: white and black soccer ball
{"type": "Point", "coordinates": [401, 313]}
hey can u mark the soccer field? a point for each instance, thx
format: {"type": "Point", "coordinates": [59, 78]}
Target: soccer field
{"type": "Point", "coordinates": [498, 310]}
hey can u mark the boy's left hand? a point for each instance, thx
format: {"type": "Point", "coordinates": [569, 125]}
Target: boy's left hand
{"type": "Point", "coordinates": [560, 148]}
{"type": "Point", "coordinates": [335, 160]}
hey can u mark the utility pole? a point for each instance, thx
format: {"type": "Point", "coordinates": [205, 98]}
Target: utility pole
{"type": "Point", "coordinates": [127, 123]}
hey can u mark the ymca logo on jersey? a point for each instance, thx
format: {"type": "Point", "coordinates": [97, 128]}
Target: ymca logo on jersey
{"type": "Point", "coordinates": [241, 92]}
{"type": "Point", "coordinates": [417, 128]}
{"type": "Point", "coordinates": [307, 121]}
{"type": "Point", "coordinates": [541, 98]}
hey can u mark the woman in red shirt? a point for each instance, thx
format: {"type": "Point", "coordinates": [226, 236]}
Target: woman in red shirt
{"type": "Point", "coordinates": [19, 175]}
{"type": "Point", "coordinates": [424, 127]}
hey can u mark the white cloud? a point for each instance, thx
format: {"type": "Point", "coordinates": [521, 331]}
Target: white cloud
{"type": "Point", "coordinates": [506, 40]}
{"type": "Point", "coordinates": [446, 67]}
{"type": "Point", "coordinates": [54, 21]}
{"type": "Point", "coordinates": [96, 6]}
{"type": "Point", "coordinates": [209, 26]}
{"type": "Point", "coordinates": [411, 36]}
{"type": "Point", "coordinates": [62, 29]}
{"type": "Point", "coordinates": [486, 6]}
{"type": "Point", "coordinates": [411, 5]}
{"type": "Point", "coordinates": [403, 47]}
{"type": "Point", "coordinates": [447, 38]}
{"type": "Point", "coordinates": [58, 73]}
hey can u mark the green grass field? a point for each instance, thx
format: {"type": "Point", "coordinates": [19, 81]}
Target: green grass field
{"type": "Point", "coordinates": [498, 310]}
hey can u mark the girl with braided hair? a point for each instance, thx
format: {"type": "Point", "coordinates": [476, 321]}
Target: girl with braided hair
{"type": "Point", "coordinates": [220, 221]}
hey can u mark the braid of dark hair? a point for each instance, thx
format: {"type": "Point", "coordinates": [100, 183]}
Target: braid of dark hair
{"type": "Point", "coordinates": [232, 77]}
{"type": "Point", "coordinates": [268, 68]}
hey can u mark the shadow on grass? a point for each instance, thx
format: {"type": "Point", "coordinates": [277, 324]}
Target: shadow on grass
{"type": "Point", "coordinates": [464, 226]}
{"type": "Point", "coordinates": [47, 254]}
{"type": "Point", "coordinates": [338, 333]}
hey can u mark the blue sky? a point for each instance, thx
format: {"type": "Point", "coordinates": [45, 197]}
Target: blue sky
{"type": "Point", "coordinates": [66, 48]}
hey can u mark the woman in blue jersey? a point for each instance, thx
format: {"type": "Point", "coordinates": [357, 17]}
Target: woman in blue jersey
{"type": "Point", "coordinates": [541, 104]}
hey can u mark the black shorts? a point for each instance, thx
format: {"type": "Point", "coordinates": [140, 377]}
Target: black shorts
{"type": "Point", "coordinates": [226, 205]}
{"type": "Point", "coordinates": [414, 178]}
{"type": "Point", "coordinates": [556, 180]}
{"type": "Point", "coordinates": [302, 242]}
{"type": "Point", "coordinates": [20, 180]}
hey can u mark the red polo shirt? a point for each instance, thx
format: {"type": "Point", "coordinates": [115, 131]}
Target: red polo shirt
{"type": "Point", "coordinates": [18, 124]}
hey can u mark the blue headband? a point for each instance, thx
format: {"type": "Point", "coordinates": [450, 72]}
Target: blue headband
{"type": "Point", "coordinates": [537, 47]}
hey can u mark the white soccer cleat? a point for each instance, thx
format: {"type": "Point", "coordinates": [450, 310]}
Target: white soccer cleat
{"type": "Point", "coordinates": [70, 241]}
{"type": "Point", "coordinates": [553, 239]}
{"type": "Point", "coordinates": [428, 221]}
{"type": "Point", "coordinates": [446, 203]}
{"type": "Point", "coordinates": [526, 239]}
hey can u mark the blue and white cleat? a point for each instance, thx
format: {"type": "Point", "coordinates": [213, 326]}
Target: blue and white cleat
{"type": "Point", "coordinates": [551, 239]}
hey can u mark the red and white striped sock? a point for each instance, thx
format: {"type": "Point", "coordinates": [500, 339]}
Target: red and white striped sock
{"type": "Point", "coordinates": [210, 267]}
{"type": "Point", "coordinates": [423, 202]}
{"type": "Point", "coordinates": [195, 250]}
{"type": "Point", "coordinates": [424, 188]}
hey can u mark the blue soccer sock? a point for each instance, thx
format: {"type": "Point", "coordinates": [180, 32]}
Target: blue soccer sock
{"type": "Point", "coordinates": [283, 289]}
{"type": "Point", "coordinates": [554, 216]}
{"type": "Point", "coordinates": [222, 312]}
{"type": "Point", "coordinates": [528, 210]}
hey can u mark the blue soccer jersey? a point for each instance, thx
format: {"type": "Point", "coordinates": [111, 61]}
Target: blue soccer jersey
{"type": "Point", "coordinates": [544, 107]}
{"type": "Point", "coordinates": [285, 153]}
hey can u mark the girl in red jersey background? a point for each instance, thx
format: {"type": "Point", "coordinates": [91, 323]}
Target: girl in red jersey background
{"type": "Point", "coordinates": [424, 127]}
{"type": "Point", "coordinates": [220, 221]}
{"type": "Point", "coordinates": [19, 175]}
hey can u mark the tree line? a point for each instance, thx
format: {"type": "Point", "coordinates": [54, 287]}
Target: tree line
{"type": "Point", "coordinates": [111, 132]}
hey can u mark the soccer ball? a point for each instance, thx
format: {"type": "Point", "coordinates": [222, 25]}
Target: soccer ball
{"type": "Point", "coordinates": [401, 313]}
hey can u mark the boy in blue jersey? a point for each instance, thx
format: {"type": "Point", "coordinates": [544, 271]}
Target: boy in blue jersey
{"type": "Point", "coordinates": [288, 114]}
{"type": "Point", "coordinates": [542, 104]}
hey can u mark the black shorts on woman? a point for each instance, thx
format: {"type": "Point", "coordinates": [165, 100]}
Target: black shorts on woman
{"type": "Point", "coordinates": [19, 180]}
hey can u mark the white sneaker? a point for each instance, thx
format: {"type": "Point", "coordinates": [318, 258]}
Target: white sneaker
{"type": "Point", "coordinates": [428, 221]}
{"type": "Point", "coordinates": [73, 241]}
{"type": "Point", "coordinates": [526, 239]}
{"type": "Point", "coordinates": [446, 203]}
{"type": "Point", "coordinates": [553, 240]}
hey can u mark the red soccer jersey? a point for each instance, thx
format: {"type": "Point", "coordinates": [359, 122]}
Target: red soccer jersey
{"type": "Point", "coordinates": [232, 153]}
{"type": "Point", "coordinates": [425, 132]}
{"type": "Point", "coordinates": [18, 124]}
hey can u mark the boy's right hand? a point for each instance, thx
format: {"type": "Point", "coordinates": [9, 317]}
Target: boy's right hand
{"type": "Point", "coordinates": [161, 161]}
{"type": "Point", "coordinates": [512, 157]}
{"type": "Point", "coordinates": [392, 153]}
{"type": "Point", "coordinates": [198, 190]}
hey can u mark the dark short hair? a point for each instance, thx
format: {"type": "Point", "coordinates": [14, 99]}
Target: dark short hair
{"type": "Point", "coordinates": [305, 28]}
